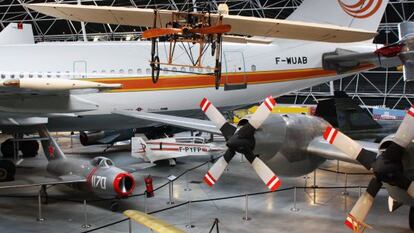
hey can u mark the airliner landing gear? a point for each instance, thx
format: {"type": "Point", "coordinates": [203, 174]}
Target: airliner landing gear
{"type": "Point", "coordinates": [114, 206]}
{"type": "Point", "coordinates": [28, 148]}
{"type": "Point", "coordinates": [411, 218]}
{"type": "Point", "coordinates": [7, 148]}
{"type": "Point", "coordinates": [7, 170]}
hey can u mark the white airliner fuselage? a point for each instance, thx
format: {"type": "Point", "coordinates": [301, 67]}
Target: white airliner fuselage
{"type": "Point", "coordinates": [263, 69]}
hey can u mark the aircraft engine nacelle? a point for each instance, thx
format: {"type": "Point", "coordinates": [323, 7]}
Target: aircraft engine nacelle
{"type": "Point", "coordinates": [282, 143]}
{"type": "Point", "coordinates": [110, 182]}
{"type": "Point", "coordinates": [88, 138]}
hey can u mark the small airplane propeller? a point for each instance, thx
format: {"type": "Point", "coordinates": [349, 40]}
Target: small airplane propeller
{"type": "Point", "coordinates": [386, 165]}
{"type": "Point", "coordinates": [242, 141]}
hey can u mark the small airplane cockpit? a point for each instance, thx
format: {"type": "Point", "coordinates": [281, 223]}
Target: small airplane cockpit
{"type": "Point", "coordinates": [102, 162]}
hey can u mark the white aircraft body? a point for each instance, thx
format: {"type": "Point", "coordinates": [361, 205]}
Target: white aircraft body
{"type": "Point", "coordinates": [172, 148]}
{"type": "Point", "coordinates": [251, 71]}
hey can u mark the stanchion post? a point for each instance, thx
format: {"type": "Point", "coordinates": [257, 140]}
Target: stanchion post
{"type": "Point", "coordinates": [345, 192]}
{"type": "Point", "coordinates": [189, 225]}
{"type": "Point", "coordinates": [246, 208]}
{"type": "Point", "coordinates": [294, 208]}
{"type": "Point", "coordinates": [85, 214]}
{"type": "Point", "coordinates": [39, 214]}
{"type": "Point", "coordinates": [129, 225]}
{"type": "Point", "coordinates": [187, 187]}
{"type": "Point", "coordinates": [145, 202]}
{"type": "Point", "coordinates": [170, 192]}
{"type": "Point", "coordinates": [337, 166]}
{"type": "Point", "coordinates": [314, 179]}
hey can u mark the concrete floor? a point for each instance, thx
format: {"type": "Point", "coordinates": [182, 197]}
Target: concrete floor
{"type": "Point", "coordinates": [268, 212]}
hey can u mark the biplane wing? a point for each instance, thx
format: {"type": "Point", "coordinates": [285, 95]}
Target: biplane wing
{"type": "Point", "coordinates": [151, 222]}
{"type": "Point", "coordinates": [240, 25]}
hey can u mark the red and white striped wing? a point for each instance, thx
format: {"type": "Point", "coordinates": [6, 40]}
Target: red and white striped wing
{"type": "Point", "coordinates": [342, 142]}
{"type": "Point", "coordinates": [212, 113]}
{"type": "Point", "coordinates": [266, 174]}
{"type": "Point", "coordinates": [262, 112]}
{"type": "Point", "coordinates": [405, 132]}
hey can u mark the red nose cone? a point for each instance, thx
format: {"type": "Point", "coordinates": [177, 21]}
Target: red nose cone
{"type": "Point", "coordinates": [124, 184]}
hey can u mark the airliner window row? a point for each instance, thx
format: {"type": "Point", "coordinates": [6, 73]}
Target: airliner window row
{"type": "Point", "coordinates": [121, 72]}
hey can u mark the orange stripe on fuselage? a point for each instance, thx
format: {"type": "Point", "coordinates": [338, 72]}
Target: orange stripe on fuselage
{"type": "Point", "coordinates": [203, 81]}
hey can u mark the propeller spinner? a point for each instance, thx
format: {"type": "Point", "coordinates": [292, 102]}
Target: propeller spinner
{"type": "Point", "coordinates": [241, 141]}
{"type": "Point", "coordinates": [387, 165]}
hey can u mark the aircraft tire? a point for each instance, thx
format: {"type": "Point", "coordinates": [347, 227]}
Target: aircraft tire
{"type": "Point", "coordinates": [411, 218]}
{"type": "Point", "coordinates": [7, 149]}
{"type": "Point", "coordinates": [7, 170]}
{"type": "Point", "coordinates": [29, 148]}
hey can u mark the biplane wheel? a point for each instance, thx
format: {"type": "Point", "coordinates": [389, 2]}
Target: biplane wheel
{"type": "Point", "coordinates": [7, 170]}
{"type": "Point", "coordinates": [155, 65]}
{"type": "Point", "coordinates": [411, 218]}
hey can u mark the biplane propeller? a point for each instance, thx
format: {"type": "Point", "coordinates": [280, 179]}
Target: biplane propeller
{"type": "Point", "coordinates": [202, 28]}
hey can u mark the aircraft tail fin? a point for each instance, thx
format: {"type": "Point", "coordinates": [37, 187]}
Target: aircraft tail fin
{"type": "Point", "coordinates": [344, 113]}
{"type": "Point", "coordinates": [361, 14]}
{"type": "Point", "coordinates": [50, 147]}
{"type": "Point", "coordinates": [17, 33]}
{"type": "Point", "coordinates": [139, 148]}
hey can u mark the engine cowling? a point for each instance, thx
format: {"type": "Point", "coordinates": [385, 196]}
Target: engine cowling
{"type": "Point", "coordinates": [283, 140]}
{"type": "Point", "coordinates": [110, 182]}
{"type": "Point", "coordinates": [88, 138]}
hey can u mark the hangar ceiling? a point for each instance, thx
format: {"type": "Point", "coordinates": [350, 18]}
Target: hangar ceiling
{"type": "Point", "coordinates": [372, 88]}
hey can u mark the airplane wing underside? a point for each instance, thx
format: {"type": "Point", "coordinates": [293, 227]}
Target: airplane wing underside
{"type": "Point", "coordinates": [46, 181]}
{"type": "Point", "coordinates": [182, 122]}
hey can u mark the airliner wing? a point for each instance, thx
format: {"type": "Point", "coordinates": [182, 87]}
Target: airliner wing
{"type": "Point", "coordinates": [240, 25]}
{"type": "Point", "coordinates": [182, 122]}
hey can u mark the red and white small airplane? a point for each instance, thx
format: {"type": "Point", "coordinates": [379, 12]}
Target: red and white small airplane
{"type": "Point", "coordinates": [172, 148]}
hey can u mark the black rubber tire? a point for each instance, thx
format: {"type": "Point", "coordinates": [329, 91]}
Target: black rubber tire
{"type": "Point", "coordinates": [7, 170]}
{"type": "Point", "coordinates": [7, 148]}
{"type": "Point", "coordinates": [155, 69]}
{"type": "Point", "coordinates": [411, 218]}
{"type": "Point", "coordinates": [29, 148]}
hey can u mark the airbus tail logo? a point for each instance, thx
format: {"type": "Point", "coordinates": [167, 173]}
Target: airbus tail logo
{"type": "Point", "coordinates": [362, 8]}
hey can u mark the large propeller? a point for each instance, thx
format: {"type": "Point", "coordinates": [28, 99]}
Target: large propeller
{"type": "Point", "coordinates": [387, 165]}
{"type": "Point", "coordinates": [242, 141]}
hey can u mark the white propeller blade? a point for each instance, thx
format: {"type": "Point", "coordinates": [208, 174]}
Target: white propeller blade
{"type": "Point", "coordinates": [266, 174]}
{"type": "Point", "coordinates": [405, 132]}
{"type": "Point", "coordinates": [212, 113]}
{"type": "Point", "coordinates": [215, 171]}
{"type": "Point", "coordinates": [342, 142]}
{"type": "Point", "coordinates": [262, 112]}
{"type": "Point", "coordinates": [361, 208]}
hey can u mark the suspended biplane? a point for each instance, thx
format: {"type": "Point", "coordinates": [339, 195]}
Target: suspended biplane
{"type": "Point", "coordinates": [205, 29]}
